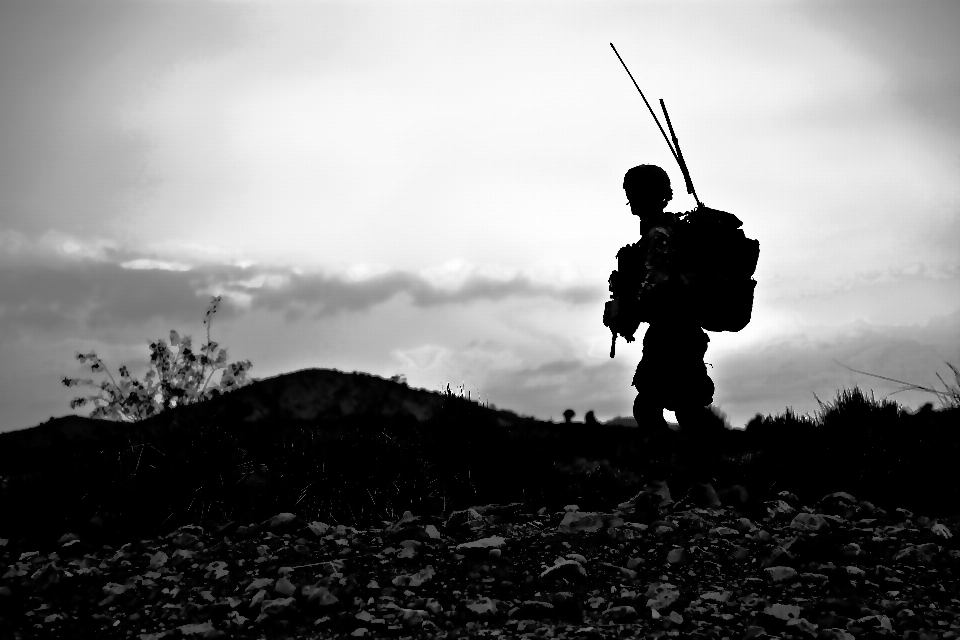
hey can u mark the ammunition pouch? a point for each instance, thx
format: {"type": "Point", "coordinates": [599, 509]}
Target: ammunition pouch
{"type": "Point", "coordinates": [623, 316]}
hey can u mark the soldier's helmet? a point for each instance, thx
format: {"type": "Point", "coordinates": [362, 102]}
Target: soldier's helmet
{"type": "Point", "coordinates": [647, 182]}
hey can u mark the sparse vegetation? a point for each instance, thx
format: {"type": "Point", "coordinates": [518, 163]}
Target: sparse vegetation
{"type": "Point", "coordinates": [949, 398]}
{"type": "Point", "coordinates": [180, 380]}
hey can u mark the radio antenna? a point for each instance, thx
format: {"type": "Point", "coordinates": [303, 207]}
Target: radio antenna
{"type": "Point", "coordinates": [680, 160]}
{"type": "Point", "coordinates": [656, 119]}
{"type": "Point", "coordinates": [674, 151]}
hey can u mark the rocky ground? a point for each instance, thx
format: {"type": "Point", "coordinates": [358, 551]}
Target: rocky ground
{"type": "Point", "coordinates": [837, 569]}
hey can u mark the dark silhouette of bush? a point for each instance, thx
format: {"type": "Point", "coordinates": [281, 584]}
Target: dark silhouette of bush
{"type": "Point", "coordinates": [862, 446]}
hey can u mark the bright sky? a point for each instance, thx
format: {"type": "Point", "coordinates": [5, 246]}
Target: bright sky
{"type": "Point", "coordinates": [434, 189]}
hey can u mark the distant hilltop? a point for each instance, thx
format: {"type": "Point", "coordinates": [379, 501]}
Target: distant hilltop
{"type": "Point", "coordinates": [314, 395]}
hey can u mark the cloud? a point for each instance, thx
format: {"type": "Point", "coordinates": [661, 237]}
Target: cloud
{"type": "Point", "coordinates": [509, 339]}
{"type": "Point", "coordinates": [69, 69]}
{"type": "Point", "coordinates": [64, 294]}
{"type": "Point", "coordinates": [915, 43]}
{"type": "Point", "coordinates": [334, 294]}
{"type": "Point", "coordinates": [422, 357]}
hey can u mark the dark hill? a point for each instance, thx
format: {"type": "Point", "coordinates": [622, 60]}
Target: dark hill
{"type": "Point", "coordinates": [354, 449]}
{"type": "Point", "coordinates": [316, 437]}
{"type": "Point", "coordinates": [321, 396]}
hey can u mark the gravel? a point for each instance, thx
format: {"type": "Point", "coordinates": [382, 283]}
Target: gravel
{"type": "Point", "coordinates": [838, 569]}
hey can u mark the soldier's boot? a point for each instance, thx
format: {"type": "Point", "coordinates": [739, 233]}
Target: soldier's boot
{"type": "Point", "coordinates": [698, 432]}
{"type": "Point", "coordinates": [703, 495]}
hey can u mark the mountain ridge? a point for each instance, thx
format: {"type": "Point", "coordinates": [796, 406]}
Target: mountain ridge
{"type": "Point", "coordinates": [305, 395]}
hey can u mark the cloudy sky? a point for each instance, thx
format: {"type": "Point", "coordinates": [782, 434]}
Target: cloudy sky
{"type": "Point", "coordinates": [434, 190]}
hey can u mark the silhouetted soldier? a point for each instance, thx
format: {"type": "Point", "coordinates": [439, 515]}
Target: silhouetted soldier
{"type": "Point", "coordinates": [694, 274]}
{"type": "Point", "coordinates": [671, 374]}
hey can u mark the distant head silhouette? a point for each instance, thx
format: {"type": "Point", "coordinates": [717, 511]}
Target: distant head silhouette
{"type": "Point", "coordinates": [648, 189]}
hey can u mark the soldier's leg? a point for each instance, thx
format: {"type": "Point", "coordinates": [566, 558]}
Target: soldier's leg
{"type": "Point", "coordinates": [698, 443]}
{"type": "Point", "coordinates": [697, 423]}
{"type": "Point", "coordinates": [647, 413]}
{"type": "Point", "coordinates": [692, 386]}
{"type": "Point", "coordinates": [655, 440]}
{"type": "Point", "coordinates": [648, 380]}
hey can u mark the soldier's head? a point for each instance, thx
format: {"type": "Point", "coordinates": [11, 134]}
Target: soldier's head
{"type": "Point", "coordinates": [648, 189]}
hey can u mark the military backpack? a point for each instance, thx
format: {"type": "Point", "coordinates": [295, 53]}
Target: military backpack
{"type": "Point", "coordinates": [712, 264]}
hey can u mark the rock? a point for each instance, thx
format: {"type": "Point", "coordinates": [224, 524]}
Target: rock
{"type": "Point", "coordinates": [481, 547]}
{"type": "Point", "coordinates": [228, 529]}
{"type": "Point", "coordinates": [464, 520]}
{"type": "Point", "coordinates": [745, 525]}
{"type": "Point", "coordinates": [704, 496]}
{"type": "Point", "coordinates": [565, 569]}
{"type": "Point", "coordinates": [282, 523]}
{"type": "Point", "coordinates": [649, 504]}
{"type": "Point", "coordinates": [410, 527]}
{"type": "Point", "coordinates": [790, 498]}
{"type": "Point", "coordinates": [903, 514]}
{"type": "Point", "coordinates": [839, 504]}
{"type": "Point", "coordinates": [588, 521]}
{"type": "Point", "coordinates": [623, 613]}
{"type": "Point", "coordinates": [660, 489]}
{"type": "Point", "coordinates": [645, 509]}
{"type": "Point", "coordinates": [809, 522]}
{"type": "Point", "coordinates": [533, 610]}
{"type": "Point", "coordinates": [497, 511]}
{"type": "Point", "coordinates": [735, 496]}
{"type": "Point", "coordinates": [788, 556]}
{"type": "Point", "coordinates": [778, 510]}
